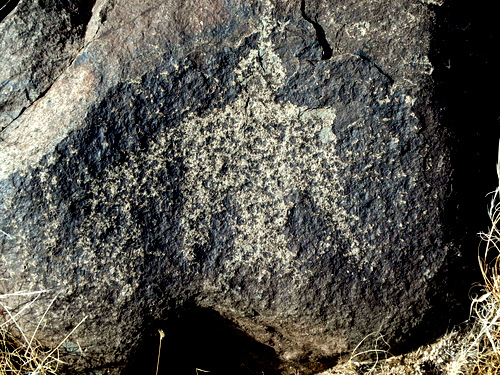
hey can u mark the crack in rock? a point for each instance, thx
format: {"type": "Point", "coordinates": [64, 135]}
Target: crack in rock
{"type": "Point", "coordinates": [365, 57]}
{"type": "Point", "coordinates": [41, 95]}
{"type": "Point", "coordinates": [320, 33]}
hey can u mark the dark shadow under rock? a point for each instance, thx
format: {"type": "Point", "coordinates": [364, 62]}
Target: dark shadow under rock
{"type": "Point", "coordinates": [198, 339]}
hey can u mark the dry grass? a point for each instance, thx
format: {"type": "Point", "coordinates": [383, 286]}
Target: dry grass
{"type": "Point", "coordinates": [21, 354]}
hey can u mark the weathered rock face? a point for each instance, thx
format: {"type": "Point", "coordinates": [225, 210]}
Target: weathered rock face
{"type": "Point", "coordinates": [271, 168]}
{"type": "Point", "coordinates": [38, 43]}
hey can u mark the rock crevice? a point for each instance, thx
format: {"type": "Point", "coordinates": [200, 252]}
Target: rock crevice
{"type": "Point", "coordinates": [320, 33]}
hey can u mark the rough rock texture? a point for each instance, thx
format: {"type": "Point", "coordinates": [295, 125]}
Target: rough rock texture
{"type": "Point", "coordinates": [38, 43]}
{"type": "Point", "coordinates": [271, 174]}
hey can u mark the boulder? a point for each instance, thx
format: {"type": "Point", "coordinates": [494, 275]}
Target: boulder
{"type": "Point", "coordinates": [268, 180]}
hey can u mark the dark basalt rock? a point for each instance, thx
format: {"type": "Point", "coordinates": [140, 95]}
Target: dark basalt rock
{"type": "Point", "coordinates": [207, 168]}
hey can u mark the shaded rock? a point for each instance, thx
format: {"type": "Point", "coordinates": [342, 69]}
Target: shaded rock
{"type": "Point", "coordinates": [213, 161]}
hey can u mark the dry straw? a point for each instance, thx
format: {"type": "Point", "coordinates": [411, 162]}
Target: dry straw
{"type": "Point", "coordinates": [20, 353]}
{"type": "Point", "coordinates": [162, 335]}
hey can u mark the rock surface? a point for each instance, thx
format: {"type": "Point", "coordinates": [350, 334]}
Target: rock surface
{"type": "Point", "coordinates": [38, 43]}
{"type": "Point", "coordinates": [275, 170]}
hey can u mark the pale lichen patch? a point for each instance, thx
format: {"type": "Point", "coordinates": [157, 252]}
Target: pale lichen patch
{"type": "Point", "coordinates": [258, 155]}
